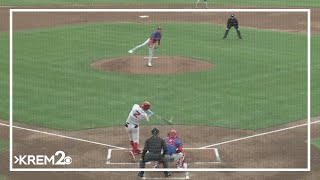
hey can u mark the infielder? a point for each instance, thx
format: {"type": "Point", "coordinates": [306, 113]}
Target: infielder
{"type": "Point", "coordinates": [174, 149]}
{"type": "Point", "coordinates": [137, 114]}
{"type": "Point", "coordinates": [232, 22]}
{"type": "Point", "coordinates": [205, 1]}
{"type": "Point", "coordinates": [155, 37]}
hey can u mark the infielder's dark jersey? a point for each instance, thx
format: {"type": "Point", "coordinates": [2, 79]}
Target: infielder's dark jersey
{"type": "Point", "coordinates": [232, 22]}
{"type": "Point", "coordinates": [154, 145]}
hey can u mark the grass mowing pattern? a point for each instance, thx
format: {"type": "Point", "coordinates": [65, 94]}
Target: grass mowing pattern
{"type": "Point", "coordinates": [222, 2]}
{"type": "Point", "coordinates": [257, 82]}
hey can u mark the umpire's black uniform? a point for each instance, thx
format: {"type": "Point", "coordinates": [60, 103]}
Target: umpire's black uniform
{"type": "Point", "coordinates": [152, 152]}
{"type": "Point", "coordinates": [232, 22]}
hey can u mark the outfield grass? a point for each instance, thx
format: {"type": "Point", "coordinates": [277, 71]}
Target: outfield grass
{"type": "Point", "coordinates": [4, 145]}
{"type": "Point", "coordinates": [316, 142]}
{"type": "Point", "coordinates": [211, 2]}
{"type": "Point", "coordinates": [255, 83]}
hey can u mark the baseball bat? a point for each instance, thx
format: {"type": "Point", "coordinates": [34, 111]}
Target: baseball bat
{"type": "Point", "coordinates": [169, 121]}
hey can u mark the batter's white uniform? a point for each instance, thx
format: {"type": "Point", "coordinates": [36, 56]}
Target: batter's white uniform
{"type": "Point", "coordinates": [136, 115]}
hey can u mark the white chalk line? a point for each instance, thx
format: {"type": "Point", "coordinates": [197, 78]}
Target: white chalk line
{"type": "Point", "coordinates": [215, 151]}
{"type": "Point", "coordinates": [151, 58]}
{"type": "Point", "coordinates": [109, 156]}
{"type": "Point", "coordinates": [204, 147]}
{"type": "Point", "coordinates": [170, 177]}
{"type": "Point", "coordinates": [257, 135]}
{"type": "Point", "coordinates": [62, 136]}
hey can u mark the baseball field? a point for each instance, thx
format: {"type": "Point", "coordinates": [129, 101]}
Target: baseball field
{"type": "Point", "coordinates": [235, 103]}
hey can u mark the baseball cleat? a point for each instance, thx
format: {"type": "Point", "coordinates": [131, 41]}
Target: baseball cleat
{"type": "Point", "coordinates": [149, 64]}
{"type": "Point", "coordinates": [130, 51]}
{"type": "Point", "coordinates": [140, 174]}
{"type": "Point", "coordinates": [167, 174]}
{"type": "Point", "coordinates": [156, 165]}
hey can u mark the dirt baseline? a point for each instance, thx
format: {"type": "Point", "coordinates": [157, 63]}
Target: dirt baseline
{"type": "Point", "coordinates": [137, 64]}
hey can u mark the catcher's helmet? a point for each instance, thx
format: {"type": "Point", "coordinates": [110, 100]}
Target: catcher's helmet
{"type": "Point", "coordinates": [155, 131]}
{"type": "Point", "coordinates": [172, 133]}
{"type": "Point", "coordinates": [145, 105]}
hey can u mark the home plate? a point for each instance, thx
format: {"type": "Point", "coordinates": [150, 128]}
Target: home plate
{"type": "Point", "coordinates": [152, 57]}
{"type": "Point", "coordinates": [144, 16]}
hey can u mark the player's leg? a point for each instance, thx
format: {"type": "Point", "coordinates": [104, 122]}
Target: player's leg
{"type": "Point", "coordinates": [129, 132]}
{"type": "Point", "coordinates": [226, 33]}
{"type": "Point", "coordinates": [238, 32]}
{"type": "Point", "coordinates": [197, 4]}
{"type": "Point", "coordinates": [180, 158]}
{"type": "Point", "coordinates": [165, 165]}
{"type": "Point", "coordinates": [139, 46]}
{"type": "Point", "coordinates": [206, 2]}
{"type": "Point", "coordinates": [135, 139]}
{"type": "Point", "coordinates": [151, 49]}
{"type": "Point", "coordinates": [142, 164]}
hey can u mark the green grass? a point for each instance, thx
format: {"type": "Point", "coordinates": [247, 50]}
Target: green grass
{"type": "Point", "coordinates": [211, 2]}
{"type": "Point", "coordinates": [255, 83]}
{"type": "Point", "coordinates": [316, 142]}
{"type": "Point", "coordinates": [4, 146]}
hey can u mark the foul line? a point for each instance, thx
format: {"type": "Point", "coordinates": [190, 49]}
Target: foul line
{"type": "Point", "coordinates": [62, 136]}
{"type": "Point", "coordinates": [257, 135]}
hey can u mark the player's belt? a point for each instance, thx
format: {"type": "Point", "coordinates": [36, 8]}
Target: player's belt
{"type": "Point", "coordinates": [135, 125]}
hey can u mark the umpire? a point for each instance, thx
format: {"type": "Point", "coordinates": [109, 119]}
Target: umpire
{"type": "Point", "coordinates": [232, 22]}
{"type": "Point", "coordinates": [152, 152]}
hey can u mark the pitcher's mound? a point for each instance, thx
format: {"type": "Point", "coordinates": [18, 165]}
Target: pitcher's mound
{"type": "Point", "coordinates": [135, 64]}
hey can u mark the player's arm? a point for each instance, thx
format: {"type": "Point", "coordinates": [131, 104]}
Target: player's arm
{"type": "Point", "coordinates": [179, 146]}
{"type": "Point", "coordinates": [236, 22]}
{"type": "Point", "coordinates": [149, 113]}
{"type": "Point", "coordinates": [145, 116]}
{"type": "Point", "coordinates": [229, 22]}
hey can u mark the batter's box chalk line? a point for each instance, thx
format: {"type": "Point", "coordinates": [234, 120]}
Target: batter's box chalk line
{"type": "Point", "coordinates": [215, 155]}
{"type": "Point", "coordinates": [170, 177]}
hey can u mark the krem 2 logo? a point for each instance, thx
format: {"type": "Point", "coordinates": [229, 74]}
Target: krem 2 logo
{"type": "Point", "coordinates": [59, 158]}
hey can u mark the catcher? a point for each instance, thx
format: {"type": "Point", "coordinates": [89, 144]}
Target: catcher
{"type": "Point", "coordinates": [155, 37]}
{"type": "Point", "coordinates": [175, 149]}
{"type": "Point", "coordinates": [152, 152]}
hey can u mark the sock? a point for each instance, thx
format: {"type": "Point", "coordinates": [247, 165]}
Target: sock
{"type": "Point", "coordinates": [135, 147]}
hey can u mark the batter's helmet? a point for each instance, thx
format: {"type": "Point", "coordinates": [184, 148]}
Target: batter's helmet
{"type": "Point", "coordinates": [145, 105]}
{"type": "Point", "coordinates": [172, 133]}
{"type": "Point", "coordinates": [232, 15]}
{"type": "Point", "coordinates": [155, 131]}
